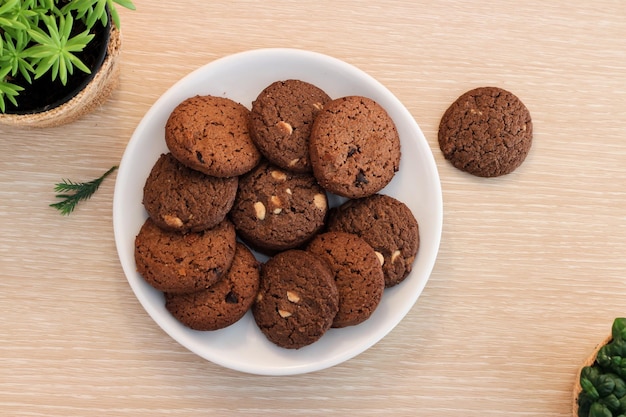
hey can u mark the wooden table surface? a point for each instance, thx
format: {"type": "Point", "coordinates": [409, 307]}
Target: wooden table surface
{"type": "Point", "coordinates": [531, 268]}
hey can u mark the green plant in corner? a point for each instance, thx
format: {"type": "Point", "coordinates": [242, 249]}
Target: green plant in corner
{"type": "Point", "coordinates": [40, 37]}
{"type": "Point", "coordinates": [604, 382]}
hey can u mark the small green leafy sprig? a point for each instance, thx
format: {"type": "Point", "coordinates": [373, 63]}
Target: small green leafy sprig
{"type": "Point", "coordinates": [74, 192]}
{"type": "Point", "coordinates": [36, 39]}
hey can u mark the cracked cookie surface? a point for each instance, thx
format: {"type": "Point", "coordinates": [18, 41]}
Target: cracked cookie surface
{"type": "Point", "coordinates": [210, 134]}
{"type": "Point", "coordinates": [486, 132]}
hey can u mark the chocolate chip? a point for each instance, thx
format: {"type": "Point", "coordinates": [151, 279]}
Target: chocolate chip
{"type": "Point", "coordinates": [199, 157]}
{"type": "Point", "coordinates": [360, 179]}
{"type": "Point", "coordinates": [231, 298]}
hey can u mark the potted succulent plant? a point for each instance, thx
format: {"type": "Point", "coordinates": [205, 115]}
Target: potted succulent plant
{"type": "Point", "coordinates": [600, 387]}
{"type": "Point", "coordinates": [58, 59]}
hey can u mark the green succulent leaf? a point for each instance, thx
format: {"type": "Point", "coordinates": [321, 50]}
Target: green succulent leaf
{"type": "Point", "coordinates": [622, 404]}
{"type": "Point", "coordinates": [125, 3]}
{"type": "Point", "coordinates": [599, 410]}
{"type": "Point", "coordinates": [611, 402]}
{"type": "Point", "coordinates": [114, 15]}
{"type": "Point", "coordinates": [11, 24]}
{"type": "Point", "coordinates": [620, 388]}
{"type": "Point", "coordinates": [618, 331]}
{"type": "Point", "coordinates": [8, 6]}
{"type": "Point", "coordinates": [605, 384]}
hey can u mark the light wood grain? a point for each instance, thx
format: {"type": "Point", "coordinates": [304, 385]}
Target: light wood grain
{"type": "Point", "coordinates": [531, 269]}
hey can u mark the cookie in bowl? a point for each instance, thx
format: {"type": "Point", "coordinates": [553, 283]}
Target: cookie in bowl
{"type": "Point", "coordinates": [354, 147]}
{"type": "Point", "coordinates": [281, 119]}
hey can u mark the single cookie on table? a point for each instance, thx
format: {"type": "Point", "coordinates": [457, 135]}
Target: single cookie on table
{"type": "Point", "coordinates": [281, 119]}
{"type": "Point", "coordinates": [182, 199]}
{"type": "Point", "coordinates": [276, 210]}
{"type": "Point", "coordinates": [486, 132]}
{"type": "Point", "coordinates": [179, 263]}
{"type": "Point", "coordinates": [211, 135]}
{"type": "Point", "coordinates": [297, 299]}
{"type": "Point", "coordinates": [225, 302]}
{"type": "Point", "coordinates": [358, 275]}
{"type": "Point", "coordinates": [354, 147]}
{"type": "Point", "coordinates": [388, 225]}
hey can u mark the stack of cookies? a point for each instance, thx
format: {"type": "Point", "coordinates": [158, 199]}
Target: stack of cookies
{"type": "Point", "coordinates": [238, 179]}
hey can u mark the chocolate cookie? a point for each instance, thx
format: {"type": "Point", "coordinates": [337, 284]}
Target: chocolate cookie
{"type": "Point", "coordinates": [181, 199]}
{"type": "Point", "coordinates": [354, 147]}
{"type": "Point", "coordinates": [179, 263]}
{"type": "Point", "coordinates": [297, 299]}
{"type": "Point", "coordinates": [358, 275]}
{"type": "Point", "coordinates": [281, 120]}
{"type": "Point", "coordinates": [277, 210]}
{"type": "Point", "coordinates": [210, 134]}
{"type": "Point", "coordinates": [388, 225]}
{"type": "Point", "coordinates": [223, 303]}
{"type": "Point", "coordinates": [486, 132]}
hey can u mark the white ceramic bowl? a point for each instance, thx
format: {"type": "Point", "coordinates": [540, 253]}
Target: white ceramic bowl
{"type": "Point", "coordinates": [241, 77]}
